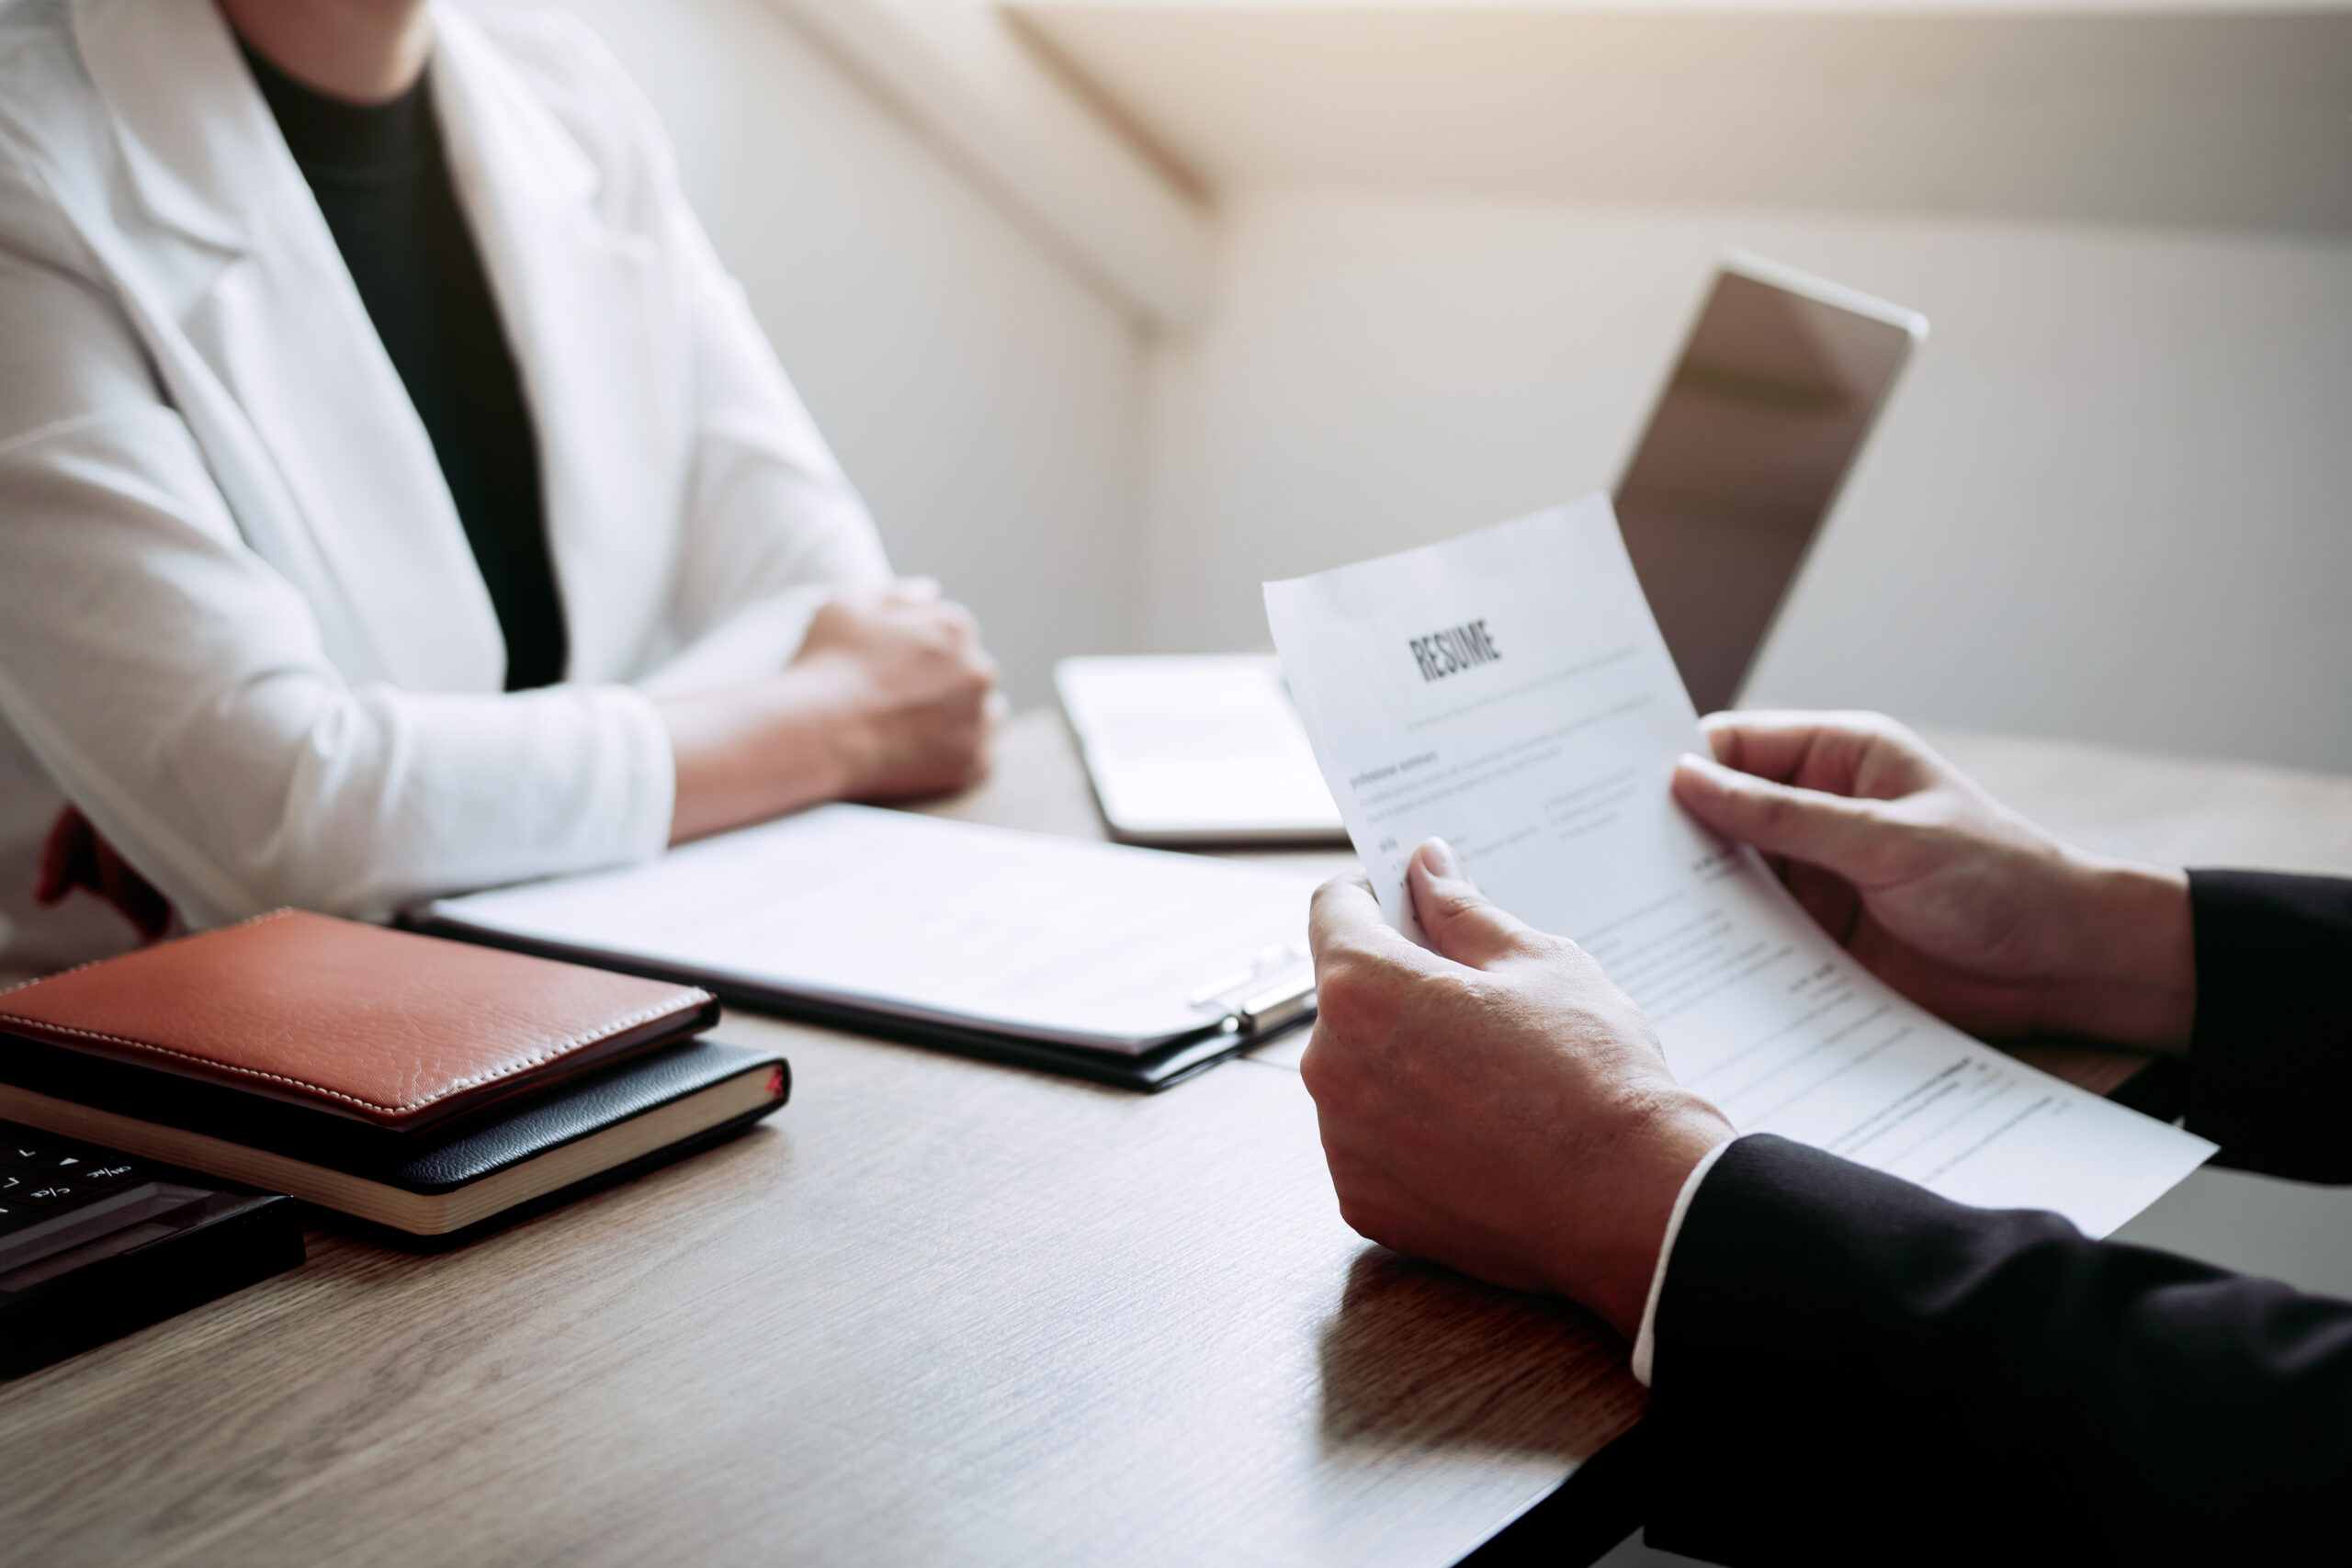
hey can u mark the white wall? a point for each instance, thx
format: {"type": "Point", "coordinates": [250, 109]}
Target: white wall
{"type": "Point", "coordinates": [2180, 113]}
{"type": "Point", "coordinates": [983, 396]}
{"type": "Point", "coordinates": [2108, 503]}
{"type": "Point", "coordinates": [2113, 499]}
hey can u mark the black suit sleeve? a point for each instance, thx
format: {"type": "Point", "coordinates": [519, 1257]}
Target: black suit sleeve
{"type": "Point", "coordinates": [2270, 1069]}
{"type": "Point", "coordinates": [1851, 1369]}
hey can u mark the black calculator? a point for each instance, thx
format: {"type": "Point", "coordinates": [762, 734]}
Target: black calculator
{"type": "Point", "coordinates": [94, 1243]}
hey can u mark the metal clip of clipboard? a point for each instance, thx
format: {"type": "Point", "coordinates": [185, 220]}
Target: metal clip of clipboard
{"type": "Point", "coordinates": [1277, 1005]}
{"type": "Point", "coordinates": [1251, 1005]}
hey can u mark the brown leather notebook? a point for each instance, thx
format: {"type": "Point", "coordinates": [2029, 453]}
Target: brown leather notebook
{"type": "Point", "coordinates": [390, 1028]}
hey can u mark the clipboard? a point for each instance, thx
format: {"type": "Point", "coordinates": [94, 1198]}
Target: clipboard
{"type": "Point", "coordinates": [1131, 967]}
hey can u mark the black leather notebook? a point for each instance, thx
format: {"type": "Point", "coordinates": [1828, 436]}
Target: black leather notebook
{"type": "Point", "coordinates": [446, 1178]}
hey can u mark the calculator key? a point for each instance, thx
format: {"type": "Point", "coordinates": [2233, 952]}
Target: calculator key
{"type": "Point", "coordinates": [104, 1171]}
{"type": "Point", "coordinates": [18, 1153]}
{"type": "Point", "coordinates": [11, 1181]}
{"type": "Point", "coordinates": [51, 1196]}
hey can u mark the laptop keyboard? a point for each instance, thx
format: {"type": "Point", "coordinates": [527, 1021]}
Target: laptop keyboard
{"type": "Point", "coordinates": [95, 1243]}
{"type": "Point", "coordinates": [64, 1204]}
{"type": "Point", "coordinates": [44, 1177]}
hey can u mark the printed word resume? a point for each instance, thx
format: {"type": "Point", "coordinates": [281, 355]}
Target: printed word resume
{"type": "Point", "coordinates": [1509, 691]}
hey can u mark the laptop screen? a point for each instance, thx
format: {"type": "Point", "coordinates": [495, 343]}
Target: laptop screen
{"type": "Point", "coordinates": [1747, 448]}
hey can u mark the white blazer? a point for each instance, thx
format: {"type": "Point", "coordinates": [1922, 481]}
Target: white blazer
{"type": "Point", "coordinates": [240, 624]}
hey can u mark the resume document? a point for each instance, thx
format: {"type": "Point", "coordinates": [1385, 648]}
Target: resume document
{"type": "Point", "coordinates": [1510, 692]}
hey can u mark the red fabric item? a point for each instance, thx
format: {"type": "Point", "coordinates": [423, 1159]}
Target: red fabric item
{"type": "Point", "coordinates": [75, 856]}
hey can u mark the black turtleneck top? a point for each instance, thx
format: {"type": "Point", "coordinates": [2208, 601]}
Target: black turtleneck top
{"type": "Point", "coordinates": [380, 177]}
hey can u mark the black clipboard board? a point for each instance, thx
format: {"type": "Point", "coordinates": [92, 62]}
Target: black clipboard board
{"type": "Point", "coordinates": [1148, 1071]}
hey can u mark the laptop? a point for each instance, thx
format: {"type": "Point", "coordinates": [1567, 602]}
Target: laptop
{"type": "Point", "coordinates": [95, 1243]}
{"type": "Point", "coordinates": [1747, 445]}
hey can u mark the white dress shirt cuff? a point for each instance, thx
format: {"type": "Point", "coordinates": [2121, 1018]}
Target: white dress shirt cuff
{"type": "Point", "coordinates": [1645, 1342]}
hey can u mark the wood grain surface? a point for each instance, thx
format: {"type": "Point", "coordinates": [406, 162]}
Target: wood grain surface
{"type": "Point", "coordinates": [935, 1311]}
{"type": "Point", "coordinates": [2171, 810]}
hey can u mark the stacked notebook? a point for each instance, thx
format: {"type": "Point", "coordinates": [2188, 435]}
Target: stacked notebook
{"type": "Point", "coordinates": [430, 1087]}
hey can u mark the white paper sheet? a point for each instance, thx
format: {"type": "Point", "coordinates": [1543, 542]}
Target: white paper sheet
{"type": "Point", "coordinates": [1057, 940]}
{"type": "Point", "coordinates": [1509, 691]}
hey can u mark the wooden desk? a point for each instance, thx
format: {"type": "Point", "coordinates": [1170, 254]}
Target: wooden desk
{"type": "Point", "coordinates": [935, 1311]}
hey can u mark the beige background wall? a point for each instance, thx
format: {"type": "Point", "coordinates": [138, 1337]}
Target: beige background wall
{"type": "Point", "coordinates": [2109, 500]}
{"type": "Point", "coordinates": [984, 396]}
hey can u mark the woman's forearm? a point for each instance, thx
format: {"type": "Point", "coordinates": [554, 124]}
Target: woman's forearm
{"type": "Point", "coordinates": [754, 752]}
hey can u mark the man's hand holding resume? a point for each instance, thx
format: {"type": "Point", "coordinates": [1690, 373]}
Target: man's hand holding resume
{"type": "Point", "coordinates": [1509, 691]}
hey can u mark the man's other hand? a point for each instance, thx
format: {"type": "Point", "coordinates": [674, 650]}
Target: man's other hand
{"type": "Point", "coordinates": [1942, 892]}
{"type": "Point", "coordinates": [914, 691]}
{"type": "Point", "coordinates": [1495, 1105]}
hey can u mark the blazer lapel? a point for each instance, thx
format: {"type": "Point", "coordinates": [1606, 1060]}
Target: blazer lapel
{"type": "Point", "coordinates": [593, 328]}
{"type": "Point", "coordinates": [282, 328]}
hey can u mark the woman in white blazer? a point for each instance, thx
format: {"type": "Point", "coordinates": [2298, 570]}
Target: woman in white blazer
{"type": "Point", "coordinates": [242, 634]}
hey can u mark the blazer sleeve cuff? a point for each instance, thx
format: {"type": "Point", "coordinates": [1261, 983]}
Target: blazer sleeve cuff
{"type": "Point", "coordinates": [1645, 1342]}
{"type": "Point", "coordinates": [649, 797]}
{"type": "Point", "coordinates": [548, 783]}
{"type": "Point", "coordinates": [1797, 1269]}
{"type": "Point", "coordinates": [2270, 1057]}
